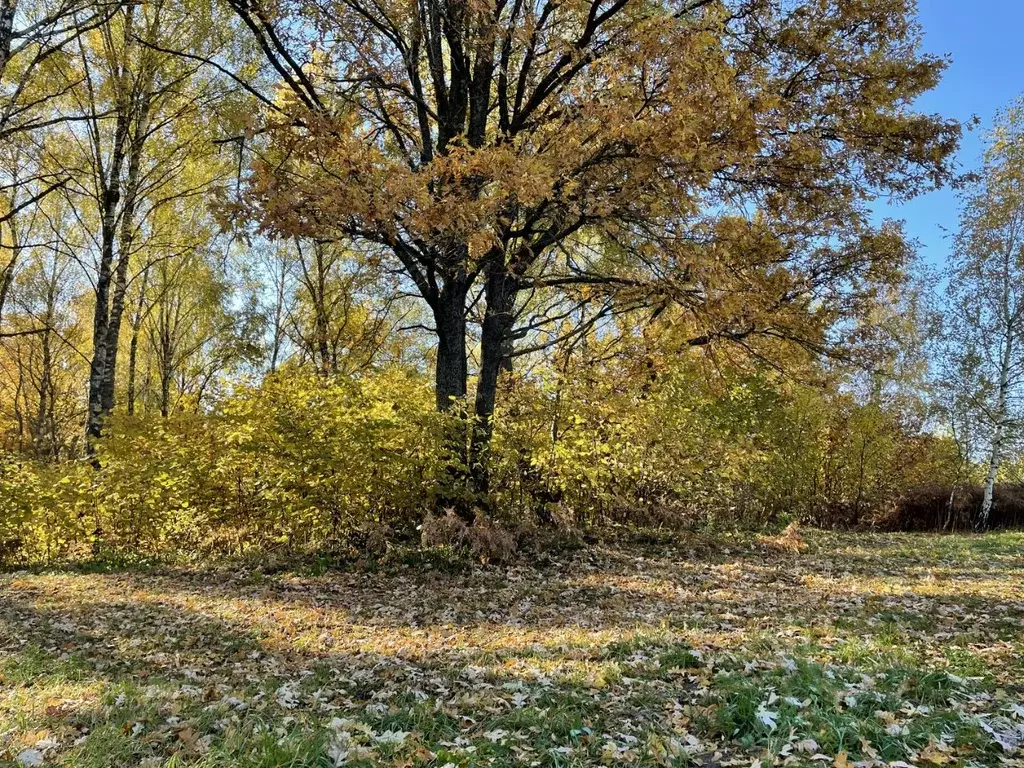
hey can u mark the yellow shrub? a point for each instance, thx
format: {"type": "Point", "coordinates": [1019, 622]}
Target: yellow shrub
{"type": "Point", "coordinates": [299, 462]}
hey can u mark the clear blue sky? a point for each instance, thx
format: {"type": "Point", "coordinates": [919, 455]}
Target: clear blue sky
{"type": "Point", "coordinates": [984, 39]}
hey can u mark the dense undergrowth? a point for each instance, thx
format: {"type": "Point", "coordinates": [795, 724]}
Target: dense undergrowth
{"type": "Point", "coordinates": [353, 466]}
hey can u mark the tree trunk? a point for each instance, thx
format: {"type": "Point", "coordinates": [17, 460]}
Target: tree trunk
{"type": "Point", "coordinates": [322, 344]}
{"type": "Point", "coordinates": [124, 247]}
{"type": "Point", "coordinates": [101, 316]}
{"type": "Point", "coordinates": [131, 132]}
{"type": "Point", "coordinates": [500, 293]}
{"type": "Point", "coordinates": [165, 393]}
{"type": "Point", "coordinates": [165, 361]}
{"type": "Point", "coordinates": [451, 372]}
{"type": "Point", "coordinates": [19, 389]}
{"type": "Point", "coordinates": [990, 479]}
{"type": "Point", "coordinates": [133, 355]}
{"type": "Point", "coordinates": [7, 278]}
{"type": "Point", "coordinates": [133, 346]}
{"type": "Point", "coordinates": [46, 437]}
{"type": "Point", "coordinates": [166, 374]}
{"type": "Point", "coordinates": [8, 8]}
{"type": "Point", "coordinates": [452, 368]}
{"type": "Point", "coordinates": [999, 432]}
{"type": "Point", "coordinates": [114, 335]}
{"type": "Point", "coordinates": [109, 200]}
{"type": "Point", "coordinates": [278, 317]}
{"type": "Point", "coordinates": [323, 324]}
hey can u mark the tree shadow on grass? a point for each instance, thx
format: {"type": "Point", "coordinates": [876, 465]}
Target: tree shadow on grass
{"type": "Point", "coordinates": [137, 679]}
{"type": "Point", "coordinates": [505, 612]}
{"type": "Point", "coordinates": [448, 656]}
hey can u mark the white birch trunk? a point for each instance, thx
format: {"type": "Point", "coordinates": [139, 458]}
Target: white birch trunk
{"type": "Point", "coordinates": [999, 433]}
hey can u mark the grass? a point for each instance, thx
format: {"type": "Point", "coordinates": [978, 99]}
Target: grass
{"type": "Point", "coordinates": [867, 650]}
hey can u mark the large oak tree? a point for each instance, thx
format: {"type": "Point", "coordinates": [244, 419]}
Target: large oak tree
{"type": "Point", "coordinates": [529, 161]}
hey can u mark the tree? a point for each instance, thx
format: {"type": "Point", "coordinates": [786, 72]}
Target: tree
{"type": "Point", "coordinates": [34, 65]}
{"type": "Point", "coordinates": [193, 334]}
{"type": "Point", "coordinates": [37, 72]}
{"type": "Point", "coordinates": [618, 155]}
{"type": "Point", "coordinates": [986, 296]}
{"type": "Point", "coordinates": [340, 322]}
{"type": "Point", "coordinates": [143, 147]}
{"type": "Point", "coordinates": [41, 384]}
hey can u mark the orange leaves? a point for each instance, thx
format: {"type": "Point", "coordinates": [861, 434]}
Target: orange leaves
{"type": "Point", "coordinates": [589, 134]}
{"type": "Point", "coordinates": [742, 138]}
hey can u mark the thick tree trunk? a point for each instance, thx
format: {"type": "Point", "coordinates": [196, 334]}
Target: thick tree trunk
{"type": "Point", "coordinates": [101, 316]}
{"type": "Point", "coordinates": [452, 368]}
{"type": "Point", "coordinates": [109, 201]}
{"type": "Point", "coordinates": [500, 294]}
{"type": "Point", "coordinates": [124, 247]}
{"type": "Point", "coordinates": [990, 478]}
{"type": "Point", "coordinates": [130, 137]}
{"type": "Point", "coordinates": [451, 372]}
{"type": "Point", "coordinates": [114, 335]}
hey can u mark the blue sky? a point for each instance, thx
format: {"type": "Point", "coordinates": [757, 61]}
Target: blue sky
{"type": "Point", "coordinates": [983, 37]}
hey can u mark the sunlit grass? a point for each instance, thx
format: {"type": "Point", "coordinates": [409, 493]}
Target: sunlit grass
{"type": "Point", "coordinates": [872, 648]}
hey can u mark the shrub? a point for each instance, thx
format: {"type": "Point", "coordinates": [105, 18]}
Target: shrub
{"type": "Point", "coordinates": [484, 539]}
{"type": "Point", "coordinates": [299, 463]}
{"type": "Point", "coordinates": [937, 507]}
{"type": "Point", "coordinates": [304, 463]}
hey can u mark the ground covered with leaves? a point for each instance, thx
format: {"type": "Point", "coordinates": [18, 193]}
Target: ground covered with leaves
{"type": "Point", "coordinates": [866, 649]}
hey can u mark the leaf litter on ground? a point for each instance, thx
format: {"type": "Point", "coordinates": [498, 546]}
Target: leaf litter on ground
{"type": "Point", "coordinates": [852, 650]}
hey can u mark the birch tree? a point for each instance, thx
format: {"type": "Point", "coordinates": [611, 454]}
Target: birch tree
{"type": "Point", "coordinates": [144, 146]}
{"type": "Point", "coordinates": [986, 293]}
{"type": "Point", "coordinates": [38, 71]}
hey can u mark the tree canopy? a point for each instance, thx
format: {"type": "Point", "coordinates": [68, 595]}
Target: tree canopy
{"type": "Point", "coordinates": [583, 159]}
{"type": "Point", "coordinates": [557, 260]}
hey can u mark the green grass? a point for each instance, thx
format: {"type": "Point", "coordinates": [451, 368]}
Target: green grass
{"type": "Point", "coordinates": [874, 648]}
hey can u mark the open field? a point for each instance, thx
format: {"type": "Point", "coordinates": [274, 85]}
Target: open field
{"type": "Point", "coordinates": [867, 649]}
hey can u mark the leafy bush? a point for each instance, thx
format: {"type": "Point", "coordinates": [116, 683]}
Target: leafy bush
{"type": "Point", "coordinates": [304, 463]}
{"type": "Point", "coordinates": [299, 463]}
